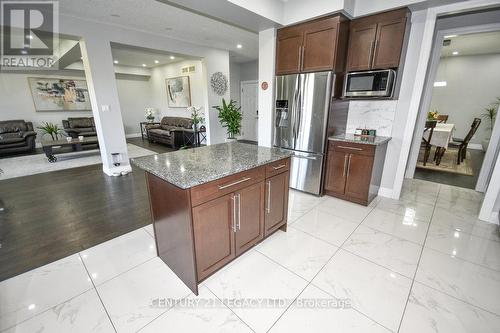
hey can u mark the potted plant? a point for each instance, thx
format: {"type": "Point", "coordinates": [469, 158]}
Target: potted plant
{"type": "Point", "coordinates": [195, 116]}
{"type": "Point", "coordinates": [150, 114]}
{"type": "Point", "coordinates": [51, 129]}
{"type": "Point", "coordinates": [230, 118]}
{"type": "Point", "coordinates": [432, 115]}
{"type": "Point", "coordinates": [490, 115]}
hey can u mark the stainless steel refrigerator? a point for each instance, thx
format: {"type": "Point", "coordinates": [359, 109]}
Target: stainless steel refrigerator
{"type": "Point", "coordinates": [301, 115]}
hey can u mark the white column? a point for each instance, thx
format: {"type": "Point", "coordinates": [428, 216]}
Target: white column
{"type": "Point", "coordinates": [101, 82]}
{"type": "Point", "coordinates": [267, 51]}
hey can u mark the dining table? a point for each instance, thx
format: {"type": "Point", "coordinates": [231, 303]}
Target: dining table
{"type": "Point", "coordinates": [441, 137]}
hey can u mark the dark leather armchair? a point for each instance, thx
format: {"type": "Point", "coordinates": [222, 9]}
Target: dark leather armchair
{"type": "Point", "coordinates": [16, 136]}
{"type": "Point", "coordinates": [84, 126]}
{"type": "Point", "coordinates": [170, 131]}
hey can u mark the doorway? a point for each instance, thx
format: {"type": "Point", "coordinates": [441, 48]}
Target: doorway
{"type": "Point", "coordinates": [458, 110]}
{"type": "Point", "coordinates": [249, 110]}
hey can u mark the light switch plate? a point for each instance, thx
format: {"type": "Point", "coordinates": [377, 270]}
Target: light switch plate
{"type": "Point", "coordinates": [105, 108]}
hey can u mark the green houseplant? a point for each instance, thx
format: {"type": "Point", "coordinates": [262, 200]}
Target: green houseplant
{"type": "Point", "coordinates": [490, 115]}
{"type": "Point", "coordinates": [51, 129]}
{"type": "Point", "coordinates": [230, 118]}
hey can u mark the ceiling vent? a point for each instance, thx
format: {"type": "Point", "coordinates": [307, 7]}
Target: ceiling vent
{"type": "Point", "coordinates": [188, 69]}
{"type": "Point", "coordinates": [447, 42]}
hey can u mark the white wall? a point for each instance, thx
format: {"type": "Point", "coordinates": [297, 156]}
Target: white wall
{"type": "Point", "coordinates": [473, 82]}
{"type": "Point", "coordinates": [235, 79]}
{"type": "Point", "coordinates": [249, 71]}
{"type": "Point", "coordinates": [267, 53]}
{"type": "Point", "coordinates": [159, 87]}
{"type": "Point", "coordinates": [16, 101]}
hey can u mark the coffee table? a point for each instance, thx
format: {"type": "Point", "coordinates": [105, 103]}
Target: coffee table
{"type": "Point", "coordinates": [49, 147]}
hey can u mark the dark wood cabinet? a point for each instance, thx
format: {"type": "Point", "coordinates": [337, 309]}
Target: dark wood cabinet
{"type": "Point", "coordinates": [354, 170]}
{"type": "Point", "coordinates": [276, 202]}
{"type": "Point", "coordinates": [318, 45]}
{"type": "Point", "coordinates": [376, 41]}
{"type": "Point", "coordinates": [336, 172]}
{"type": "Point", "coordinates": [213, 227]}
{"type": "Point", "coordinates": [202, 228]}
{"type": "Point", "coordinates": [249, 217]}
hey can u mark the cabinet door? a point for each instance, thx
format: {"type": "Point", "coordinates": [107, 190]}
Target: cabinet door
{"type": "Point", "coordinates": [249, 216]}
{"type": "Point", "coordinates": [359, 172]}
{"type": "Point", "coordinates": [361, 44]}
{"type": "Point", "coordinates": [276, 202]}
{"type": "Point", "coordinates": [213, 234]}
{"type": "Point", "coordinates": [389, 43]}
{"type": "Point", "coordinates": [288, 50]}
{"type": "Point", "coordinates": [320, 45]}
{"type": "Point", "coordinates": [336, 171]}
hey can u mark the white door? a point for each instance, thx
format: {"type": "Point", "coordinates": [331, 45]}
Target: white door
{"type": "Point", "coordinates": [249, 104]}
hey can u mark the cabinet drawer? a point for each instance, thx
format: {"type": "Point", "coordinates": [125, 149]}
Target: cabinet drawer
{"type": "Point", "coordinates": [354, 148]}
{"type": "Point", "coordinates": [223, 186]}
{"type": "Point", "coordinates": [277, 167]}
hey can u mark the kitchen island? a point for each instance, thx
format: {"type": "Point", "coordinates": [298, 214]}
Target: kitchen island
{"type": "Point", "coordinates": [211, 204]}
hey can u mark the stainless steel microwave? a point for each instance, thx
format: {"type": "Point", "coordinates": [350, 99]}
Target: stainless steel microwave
{"type": "Point", "coordinates": [379, 83]}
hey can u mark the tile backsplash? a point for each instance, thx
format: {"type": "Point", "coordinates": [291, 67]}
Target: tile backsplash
{"type": "Point", "coordinates": [377, 115]}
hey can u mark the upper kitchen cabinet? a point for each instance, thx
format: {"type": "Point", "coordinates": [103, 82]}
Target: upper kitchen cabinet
{"type": "Point", "coordinates": [376, 41]}
{"type": "Point", "coordinates": [319, 45]}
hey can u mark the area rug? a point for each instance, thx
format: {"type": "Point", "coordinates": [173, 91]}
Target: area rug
{"type": "Point", "coordinates": [448, 162]}
{"type": "Point", "coordinates": [33, 164]}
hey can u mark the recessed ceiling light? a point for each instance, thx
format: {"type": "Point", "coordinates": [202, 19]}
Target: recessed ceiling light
{"type": "Point", "coordinates": [440, 84]}
{"type": "Point", "coordinates": [239, 46]}
{"type": "Point", "coordinates": [81, 58]}
{"type": "Point", "coordinates": [157, 62]}
{"type": "Point", "coordinates": [143, 65]}
{"type": "Point", "coordinates": [29, 36]}
{"type": "Point", "coordinates": [115, 61]}
{"type": "Point", "coordinates": [449, 36]}
{"type": "Point", "coordinates": [24, 52]}
{"type": "Point", "coordinates": [454, 52]}
{"type": "Point", "coordinates": [172, 57]}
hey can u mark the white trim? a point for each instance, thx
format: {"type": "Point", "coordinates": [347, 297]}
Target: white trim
{"type": "Point", "coordinates": [385, 192]}
{"type": "Point", "coordinates": [491, 195]}
{"type": "Point", "coordinates": [424, 48]}
{"type": "Point", "coordinates": [117, 171]}
{"type": "Point", "coordinates": [489, 157]}
{"type": "Point", "coordinates": [475, 146]}
{"type": "Point", "coordinates": [133, 135]}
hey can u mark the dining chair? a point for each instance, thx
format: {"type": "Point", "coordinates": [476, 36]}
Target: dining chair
{"type": "Point", "coordinates": [442, 118]}
{"type": "Point", "coordinates": [426, 143]}
{"type": "Point", "coordinates": [461, 144]}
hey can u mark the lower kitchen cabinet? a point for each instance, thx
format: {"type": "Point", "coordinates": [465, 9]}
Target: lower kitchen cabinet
{"type": "Point", "coordinates": [276, 202]}
{"type": "Point", "coordinates": [354, 170]}
{"type": "Point", "coordinates": [213, 227]}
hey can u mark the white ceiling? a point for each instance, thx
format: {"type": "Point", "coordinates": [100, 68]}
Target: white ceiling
{"type": "Point", "coordinates": [160, 18]}
{"type": "Point", "coordinates": [473, 44]}
{"type": "Point", "coordinates": [136, 57]}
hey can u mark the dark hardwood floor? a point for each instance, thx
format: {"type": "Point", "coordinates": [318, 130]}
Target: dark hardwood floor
{"type": "Point", "coordinates": [477, 157]}
{"type": "Point", "coordinates": [55, 214]}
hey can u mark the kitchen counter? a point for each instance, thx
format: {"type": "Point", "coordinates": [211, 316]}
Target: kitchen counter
{"type": "Point", "coordinates": [211, 204]}
{"type": "Point", "coordinates": [192, 167]}
{"type": "Point", "coordinates": [375, 141]}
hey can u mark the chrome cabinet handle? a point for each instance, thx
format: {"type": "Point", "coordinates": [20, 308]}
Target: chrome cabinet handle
{"type": "Point", "coordinates": [239, 210]}
{"type": "Point", "coordinates": [345, 166]}
{"type": "Point", "coordinates": [268, 208]}
{"type": "Point", "coordinates": [349, 165]}
{"type": "Point", "coordinates": [351, 148]}
{"type": "Point", "coordinates": [279, 167]}
{"type": "Point", "coordinates": [233, 197]}
{"type": "Point", "coordinates": [221, 187]}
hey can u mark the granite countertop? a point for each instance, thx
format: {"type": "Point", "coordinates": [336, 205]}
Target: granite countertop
{"type": "Point", "coordinates": [375, 141]}
{"type": "Point", "coordinates": [191, 167]}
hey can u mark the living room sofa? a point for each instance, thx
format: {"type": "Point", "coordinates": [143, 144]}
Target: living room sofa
{"type": "Point", "coordinates": [80, 126]}
{"type": "Point", "coordinates": [169, 131]}
{"type": "Point", "coordinates": [16, 136]}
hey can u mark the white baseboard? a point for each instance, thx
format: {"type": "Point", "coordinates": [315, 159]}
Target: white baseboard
{"type": "Point", "coordinates": [475, 146]}
{"type": "Point", "coordinates": [133, 135]}
{"type": "Point", "coordinates": [116, 171]}
{"type": "Point", "coordinates": [493, 218]}
{"type": "Point", "coordinates": [385, 192]}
